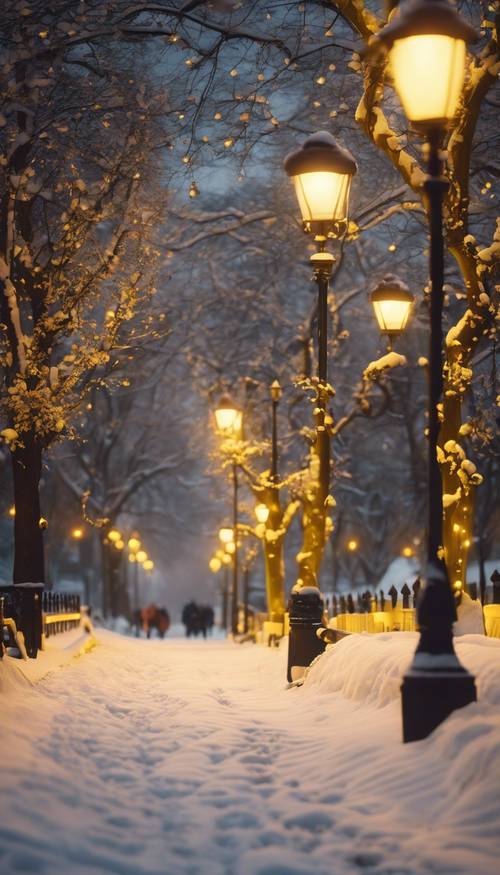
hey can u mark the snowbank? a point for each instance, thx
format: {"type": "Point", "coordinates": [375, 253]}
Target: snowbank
{"type": "Point", "coordinates": [368, 668]}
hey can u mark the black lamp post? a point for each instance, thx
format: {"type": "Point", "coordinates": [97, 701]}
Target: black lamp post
{"type": "Point", "coordinates": [276, 392]}
{"type": "Point", "coordinates": [322, 172]}
{"type": "Point", "coordinates": [426, 42]}
{"type": "Point", "coordinates": [229, 420]}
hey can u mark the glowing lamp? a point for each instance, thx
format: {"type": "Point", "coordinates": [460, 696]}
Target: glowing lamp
{"type": "Point", "coordinates": [392, 301]}
{"type": "Point", "coordinates": [114, 535]}
{"type": "Point", "coordinates": [141, 556]}
{"type": "Point", "coordinates": [12, 511]}
{"type": "Point", "coordinates": [228, 417]}
{"type": "Point", "coordinates": [119, 544]}
{"type": "Point", "coordinates": [276, 391]}
{"type": "Point", "coordinates": [131, 557]}
{"type": "Point", "coordinates": [407, 552]}
{"type": "Point", "coordinates": [214, 564]}
{"type": "Point", "coordinates": [148, 565]}
{"type": "Point", "coordinates": [352, 545]}
{"type": "Point", "coordinates": [77, 534]}
{"type": "Point", "coordinates": [262, 513]}
{"type": "Point", "coordinates": [226, 559]}
{"type": "Point", "coordinates": [231, 548]}
{"type": "Point", "coordinates": [134, 545]}
{"type": "Point", "coordinates": [322, 172]}
{"type": "Point", "coordinates": [426, 41]}
{"type": "Point", "coordinates": [225, 535]}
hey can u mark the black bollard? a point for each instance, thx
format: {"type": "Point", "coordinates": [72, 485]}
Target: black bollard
{"type": "Point", "coordinates": [306, 611]}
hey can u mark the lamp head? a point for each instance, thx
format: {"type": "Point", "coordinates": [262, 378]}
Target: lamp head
{"type": "Point", "coordinates": [228, 417]}
{"type": "Point", "coordinates": [322, 171]}
{"type": "Point", "coordinates": [225, 535]}
{"type": "Point", "coordinates": [262, 513]}
{"type": "Point", "coordinates": [392, 301]}
{"type": "Point", "coordinates": [276, 390]}
{"type": "Point", "coordinates": [426, 41]}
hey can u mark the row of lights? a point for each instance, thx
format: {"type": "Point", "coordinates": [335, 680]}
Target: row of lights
{"type": "Point", "coordinates": [136, 553]}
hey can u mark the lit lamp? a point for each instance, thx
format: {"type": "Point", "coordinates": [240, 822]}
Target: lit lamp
{"type": "Point", "coordinates": [134, 544]}
{"type": "Point", "coordinates": [114, 535]}
{"type": "Point", "coordinates": [226, 559]}
{"type": "Point", "coordinates": [426, 45]}
{"type": "Point", "coordinates": [426, 42]}
{"type": "Point", "coordinates": [276, 393]}
{"type": "Point", "coordinates": [321, 171]}
{"type": "Point", "coordinates": [12, 511]}
{"type": "Point", "coordinates": [225, 535]}
{"type": "Point", "coordinates": [77, 534]}
{"type": "Point", "coordinates": [352, 545]}
{"type": "Point", "coordinates": [231, 548]}
{"type": "Point", "coordinates": [148, 565]}
{"type": "Point", "coordinates": [215, 564]}
{"type": "Point", "coordinates": [392, 301]}
{"type": "Point", "coordinates": [228, 417]}
{"type": "Point", "coordinates": [141, 556]}
{"type": "Point", "coordinates": [262, 513]}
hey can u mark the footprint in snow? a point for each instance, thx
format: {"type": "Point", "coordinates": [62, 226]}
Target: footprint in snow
{"type": "Point", "coordinates": [311, 821]}
{"type": "Point", "coordinates": [237, 819]}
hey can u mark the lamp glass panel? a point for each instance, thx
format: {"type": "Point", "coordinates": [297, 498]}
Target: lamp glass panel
{"type": "Point", "coordinates": [262, 513]}
{"type": "Point", "coordinates": [229, 420]}
{"type": "Point", "coordinates": [322, 196]}
{"type": "Point", "coordinates": [392, 316]}
{"type": "Point", "coordinates": [225, 535]}
{"type": "Point", "coordinates": [428, 71]}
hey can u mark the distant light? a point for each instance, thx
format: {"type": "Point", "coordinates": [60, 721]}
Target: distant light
{"type": "Point", "coordinates": [114, 535]}
{"type": "Point", "coordinates": [141, 556]}
{"type": "Point", "coordinates": [215, 564]}
{"type": "Point", "coordinates": [119, 544]}
{"type": "Point", "coordinates": [262, 513]}
{"type": "Point", "coordinates": [231, 548]}
{"type": "Point", "coordinates": [225, 535]}
{"type": "Point", "coordinates": [12, 511]}
{"type": "Point", "coordinates": [407, 551]}
{"type": "Point", "coordinates": [226, 559]}
{"type": "Point", "coordinates": [148, 565]}
{"type": "Point", "coordinates": [134, 544]}
{"type": "Point", "coordinates": [352, 545]}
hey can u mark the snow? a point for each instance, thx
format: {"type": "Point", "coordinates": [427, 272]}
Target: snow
{"type": "Point", "coordinates": [185, 757]}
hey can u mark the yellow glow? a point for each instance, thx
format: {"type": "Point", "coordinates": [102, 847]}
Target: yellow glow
{"type": "Point", "coordinates": [262, 513]}
{"type": "Point", "coordinates": [12, 511]}
{"type": "Point", "coordinates": [225, 535]}
{"type": "Point", "coordinates": [467, 542]}
{"type": "Point", "coordinates": [134, 545]}
{"type": "Point", "coordinates": [231, 548]}
{"type": "Point", "coordinates": [428, 72]}
{"type": "Point", "coordinates": [215, 564]}
{"type": "Point", "coordinates": [260, 530]}
{"type": "Point", "coordinates": [228, 419]}
{"type": "Point", "coordinates": [141, 556]}
{"type": "Point", "coordinates": [456, 528]}
{"type": "Point", "coordinates": [407, 551]}
{"type": "Point", "coordinates": [148, 565]}
{"type": "Point", "coordinates": [131, 557]}
{"type": "Point", "coordinates": [392, 316]}
{"type": "Point", "coordinates": [77, 534]}
{"type": "Point", "coordinates": [457, 584]}
{"type": "Point", "coordinates": [322, 196]}
{"type": "Point", "coordinates": [226, 559]}
{"type": "Point", "coordinates": [119, 544]}
{"type": "Point", "coordinates": [352, 545]}
{"type": "Point", "coordinates": [114, 535]}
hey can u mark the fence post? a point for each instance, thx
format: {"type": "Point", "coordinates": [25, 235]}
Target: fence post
{"type": "Point", "coordinates": [394, 596]}
{"type": "Point", "coordinates": [406, 592]}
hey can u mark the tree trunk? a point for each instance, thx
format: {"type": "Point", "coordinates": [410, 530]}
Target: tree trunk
{"type": "Point", "coordinates": [29, 566]}
{"type": "Point", "coordinates": [315, 510]}
{"type": "Point", "coordinates": [274, 561]}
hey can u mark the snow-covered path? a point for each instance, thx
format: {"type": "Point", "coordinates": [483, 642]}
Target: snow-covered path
{"type": "Point", "coordinates": [179, 758]}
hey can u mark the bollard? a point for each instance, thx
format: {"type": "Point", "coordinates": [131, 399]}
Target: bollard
{"type": "Point", "coordinates": [306, 611]}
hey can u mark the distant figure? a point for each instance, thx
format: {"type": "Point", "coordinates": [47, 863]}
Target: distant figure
{"type": "Point", "coordinates": [191, 617]}
{"type": "Point", "coordinates": [152, 617]}
{"type": "Point", "coordinates": [207, 619]}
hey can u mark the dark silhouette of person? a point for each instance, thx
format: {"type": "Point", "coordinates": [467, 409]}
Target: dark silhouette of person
{"type": "Point", "coordinates": [191, 619]}
{"type": "Point", "coordinates": [207, 619]}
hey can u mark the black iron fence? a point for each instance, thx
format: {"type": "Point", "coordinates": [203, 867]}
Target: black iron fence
{"type": "Point", "coordinates": [36, 614]}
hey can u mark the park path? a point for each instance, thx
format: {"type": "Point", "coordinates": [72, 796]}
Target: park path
{"type": "Point", "coordinates": [191, 758]}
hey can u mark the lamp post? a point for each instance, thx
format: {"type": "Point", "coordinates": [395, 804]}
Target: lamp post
{"type": "Point", "coordinates": [276, 392]}
{"type": "Point", "coordinates": [134, 546]}
{"type": "Point", "coordinates": [229, 419]}
{"type": "Point", "coordinates": [426, 43]}
{"type": "Point", "coordinates": [392, 301]}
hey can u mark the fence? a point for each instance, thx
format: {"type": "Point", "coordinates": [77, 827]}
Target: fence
{"type": "Point", "coordinates": [27, 609]}
{"type": "Point", "coordinates": [376, 612]}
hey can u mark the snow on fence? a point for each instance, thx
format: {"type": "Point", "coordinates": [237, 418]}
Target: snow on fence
{"type": "Point", "coordinates": [376, 612]}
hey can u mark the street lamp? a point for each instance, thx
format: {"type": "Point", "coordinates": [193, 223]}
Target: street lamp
{"type": "Point", "coordinates": [276, 393]}
{"type": "Point", "coordinates": [229, 420]}
{"type": "Point", "coordinates": [426, 45]}
{"type": "Point", "coordinates": [392, 301]}
{"type": "Point", "coordinates": [215, 564]}
{"type": "Point", "coordinates": [225, 535]}
{"type": "Point", "coordinates": [322, 172]}
{"type": "Point", "coordinates": [77, 534]}
{"type": "Point", "coordinates": [134, 546]}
